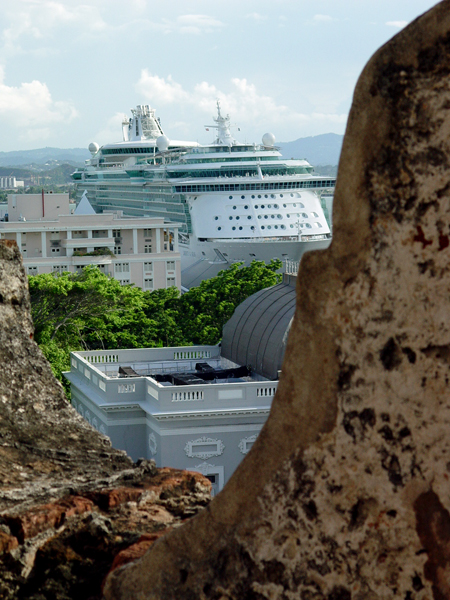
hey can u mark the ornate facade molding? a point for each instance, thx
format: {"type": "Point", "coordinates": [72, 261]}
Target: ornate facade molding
{"type": "Point", "coordinates": [193, 448]}
{"type": "Point", "coordinates": [120, 407]}
{"type": "Point", "coordinates": [206, 415]}
{"type": "Point", "coordinates": [246, 443]}
{"type": "Point", "coordinates": [204, 468]}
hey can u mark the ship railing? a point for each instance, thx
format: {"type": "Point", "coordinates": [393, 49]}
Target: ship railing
{"type": "Point", "coordinates": [111, 166]}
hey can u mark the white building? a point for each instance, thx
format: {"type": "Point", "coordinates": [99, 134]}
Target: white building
{"type": "Point", "coordinates": [187, 408]}
{"type": "Point", "coordinates": [10, 183]}
{"type": "Point", "coordinates": [142, 251]}
{"type": "Point", "coordinates": [198, 408]}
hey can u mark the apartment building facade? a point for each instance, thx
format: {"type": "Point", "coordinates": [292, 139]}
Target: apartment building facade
{"type": "Point", "coordinates": [140, 251]}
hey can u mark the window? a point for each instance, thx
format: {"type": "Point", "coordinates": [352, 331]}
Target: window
{"type": "Point", "coordinates": [170, 282]}
{"type": "Point", "coordinates": [148, 267]}
{"type": "Point", "coordinates": [58, 269]}
{"type": "Point", "coordinates": [124, 281]}
{"type": "Point", "coordinates": [147, 249]}
{"type": "Point", "coordinates": [147, 233]}
{"type": "Point", "coordinates": [170, 265]}
{"type": "Point", "coordinates": [122, 268]}
{"type": "Point", "coordinates": [148, 283]}
{"type": "Point", "coordinates": [32, 270]}
{"type": "Point", "coordinates": [56, 250]}
{"type": "Point", "coordinates": [117, 233]}
{"type": "Point", "coordinates": [117, 249]}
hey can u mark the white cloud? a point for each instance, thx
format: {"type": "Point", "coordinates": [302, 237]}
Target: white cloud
{"type": "Point", "coordinates": [322, 18]}
{"type": "Point", "coordinates": [257, 17]}
{"type": "Point", "coordinates": [112, 132]}
{"type": "Point", "coordinates": [30, 20]}
{"type": "Point", "coordinates": [152, 86]}
{"type": "Point", "coordinates": [245, 104]}
{"type": "Point", "coordinates": [138, 5]}
{"type": "Point", "coordinates": [32, 110]}
{"type": "Point", "coordinates": [191, 24]}
{"type": "Point", "coordinates": [397, 24]}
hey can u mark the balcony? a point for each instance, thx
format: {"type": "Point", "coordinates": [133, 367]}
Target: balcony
{"type": "Point", "coordinates": [83, 242]}
{"type": "Point", "coordinates": [102, 259]}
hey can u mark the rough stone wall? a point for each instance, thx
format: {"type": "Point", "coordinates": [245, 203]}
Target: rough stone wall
{"type": "Point", "coordinates": [71, 507]}
{"type": "Point", "coordinates": [346, 493]}
{"type": "Point", "coordinates": [41, 437]}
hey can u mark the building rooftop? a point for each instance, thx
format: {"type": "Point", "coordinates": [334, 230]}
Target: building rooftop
{"type": "Point", "coordinates": [256, 334]}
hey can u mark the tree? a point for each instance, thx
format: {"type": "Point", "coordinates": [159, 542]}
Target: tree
{"type": "Point", "coordinates": [204, 310]}
{"type": "Point", "coordinates": [90, 311]}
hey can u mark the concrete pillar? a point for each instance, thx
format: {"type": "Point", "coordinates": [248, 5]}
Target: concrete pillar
{"type": "Point", "coordinates": [44, 244]}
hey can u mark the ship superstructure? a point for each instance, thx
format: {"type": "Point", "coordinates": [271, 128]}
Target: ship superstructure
{"type": "Point", "coordinates": [236, 201]}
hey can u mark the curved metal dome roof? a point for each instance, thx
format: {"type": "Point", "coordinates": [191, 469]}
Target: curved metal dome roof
{"type": "Point", "coordinates": [257, 332]}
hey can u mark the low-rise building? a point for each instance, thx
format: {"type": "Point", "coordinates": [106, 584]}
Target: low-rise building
{"type": "Point", "coordinates": [187, 408]}
{"type": "Point", "coordinates": [198, 408]}
{"type": "Point", "coordinates": [142, 251]}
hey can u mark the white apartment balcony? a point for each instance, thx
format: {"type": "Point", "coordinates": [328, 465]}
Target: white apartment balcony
{"type": "Point", "coordinates": [83, 242]}
{"type": "Point", "coordinates": [91, 260]}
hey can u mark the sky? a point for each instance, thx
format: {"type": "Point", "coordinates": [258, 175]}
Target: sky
{"type": "Point", "coordinates": [70, 70]}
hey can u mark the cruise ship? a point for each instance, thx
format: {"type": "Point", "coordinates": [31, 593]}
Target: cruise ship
{"type": "Point", "coordinates": [235, 202]}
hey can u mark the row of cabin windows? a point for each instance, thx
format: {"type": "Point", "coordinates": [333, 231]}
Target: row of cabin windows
{"type": "Point", "coordinates": [237, 187]}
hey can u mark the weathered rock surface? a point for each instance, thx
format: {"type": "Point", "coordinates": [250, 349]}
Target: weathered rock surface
{"type": "Point", "coordinates": [346, 493]}
{"type": "Point", "coordinates": [70, 505]}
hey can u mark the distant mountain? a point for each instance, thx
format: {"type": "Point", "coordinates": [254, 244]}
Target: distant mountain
{"type": "Point", "coordinates": [318, 150]}
{"type": "Point", "coordinates": [322, 149]}
{"type": "Point", "coordinates": [44, 157]}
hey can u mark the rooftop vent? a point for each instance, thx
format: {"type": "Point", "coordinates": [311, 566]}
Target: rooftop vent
{"type": "Point", "coordinates": [127, 372]}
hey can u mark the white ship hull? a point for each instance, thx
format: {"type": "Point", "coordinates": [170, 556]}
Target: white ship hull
{"type": "Point", "coordinates": [203, 260]}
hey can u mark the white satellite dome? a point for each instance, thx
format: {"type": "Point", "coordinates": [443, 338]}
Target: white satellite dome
{"type": "Point", "coordinates": [93, 148]}
{"type": "Point", "coordinates": [268, 139]}
{"type": "Point", "coordinates": [163, 143]}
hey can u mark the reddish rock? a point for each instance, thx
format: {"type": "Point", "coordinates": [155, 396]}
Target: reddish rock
{"type": "Point", "coordinates": [138, 549]}
{"type": "Point", "coordinates": [47, 516]}
{"type": "Point", "coordinates": [7, 542]}
{"type": "Point", "coordinates": [107, 499]}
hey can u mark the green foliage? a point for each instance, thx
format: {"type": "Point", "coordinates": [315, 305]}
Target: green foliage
{"type": "Point", "coordinates": [97, 252]}
{"type": "Point", "coordinates": [204, 310]}
{"type": "Point", "coordinates": [90, 311]}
